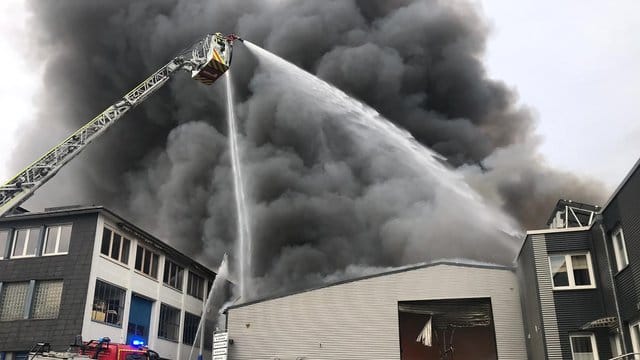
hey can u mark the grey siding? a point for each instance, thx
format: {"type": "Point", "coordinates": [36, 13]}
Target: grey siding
{"type": "Point", "coordinates": [574, 308]}
{"type": "Point", "coordinates": [565, 311]}
{"type": "Point", "coordinates": [547, 303]}
{"type": "Point", "coordinates": [623, 210]}
{"type": "Point", "coordinates": [531, 312]}
{"type": "Point", "coordinates": [359, 319]}
{"type": "Point", "coordinates": [73, 269]}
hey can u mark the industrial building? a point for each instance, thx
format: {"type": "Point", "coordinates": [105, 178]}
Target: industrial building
{"type": "Point", "coordinates": [471, 308]}
{"type": "Point", "coordinates": [87, 271]}
{"type": "Point", "coordinates": [573, 293]}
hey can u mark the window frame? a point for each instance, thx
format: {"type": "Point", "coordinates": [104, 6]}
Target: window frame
{"type": "Point", "coordinates": [202, 285]}
{"type": "Point", "coordinates": [145, 251]}
{"type": "Point", "coordinates": [185, 329]}
{"type": "Point", "coordinates": [7, 248]}
{"type": "Point", "coordinates": [121, 307]}
{"type": "Point", "coordinates": [618, 231]}
{"type": "Point", "coordinates": [594, 345]}
{"type": "Point", "coordinates": [570, 276]}
{"type": "Point", "coordinates": [168, 264]}
{"type": "Point", "coordinates": [163, 320]}
{"type": "Point", "coordinates": [46, 237]}
{"type": "Point", "coordinates": [26, 243]}
{"type": "Point", "coordinates": [123, 240]}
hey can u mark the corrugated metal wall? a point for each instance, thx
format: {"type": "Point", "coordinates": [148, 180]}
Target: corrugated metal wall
{"type": "Point", "coordinates": [624, 211]}
{"type": "Point", "coordinates": [359, 319]}
{"type": "Point", "coordinates": [531, 313]}
{"type": "Point", "coordinates": [545, 294]}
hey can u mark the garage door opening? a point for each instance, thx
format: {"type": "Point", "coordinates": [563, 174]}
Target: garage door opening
{"type": "Point", "coordinates": [447, 329]}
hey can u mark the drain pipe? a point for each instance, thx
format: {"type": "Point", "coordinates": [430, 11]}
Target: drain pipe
{"type": "Point", "coordinates": [598, 220]}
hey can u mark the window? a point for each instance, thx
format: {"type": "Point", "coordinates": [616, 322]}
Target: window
{"type": "Point", "coordinates": [56, 239]}
{"type": "Point", "coordinates": [108, 304]}
{"type": "Point", "coordinates": [583, 347]}
{"type": "Point", "coordinates": [147, 262]}
{"type": "Point", "coordinates": [25, 242]}
{"type": "Point", "coordinates": [635, 336]}
{"type": "Point", "coordinates": [115, 246]}
{"type": "Point", "coordinates": [173, 275]}
{"type": "Point", "coordinates": [4, 243]}
{"type": "Point", "coordinates": [571, 271]}
{"type": "Point", "coordinates": [619, 248]}
{"type": "Point", "coordinates": [169, 325]}
{"type": "Point", "coordinates": [13, 300]}
{"type": "Point", "coordinates": [190, 327]}
{"type": "Point", "coordinates": [46, 299]}
{"type": "Point", "coordinates": [195, 286]}
{"type": "Point", "coordinates": [616, 345]}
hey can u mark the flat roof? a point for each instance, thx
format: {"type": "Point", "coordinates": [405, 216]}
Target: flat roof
{"type": "Point", "coordinates": [121, 222]}
{"type": "Point", "coordinates": [401, 269]}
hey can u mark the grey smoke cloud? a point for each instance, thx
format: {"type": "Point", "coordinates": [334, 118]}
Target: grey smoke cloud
{"type": "Point", "coordinates": [323, 206]}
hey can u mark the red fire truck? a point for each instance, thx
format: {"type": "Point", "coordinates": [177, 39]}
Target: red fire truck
{"type": "Point", "coordinates": [102, 349]}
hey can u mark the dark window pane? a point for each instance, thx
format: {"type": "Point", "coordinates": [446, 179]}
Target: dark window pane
{"type": "Point", "coordinates": [139, 256]}
{"type": "Point", "coordinates": [167, 270]}
{"type": "Point", "coordinates": [179, 276]}
{"type": "Point", "coordinates": [115, 246]}
{"type": "Point", "coordinates": [169, 324]}
{"type": "Point", "coordinates": [106, 242]}
{"type": "Point", "coordinates": [146, 262]}
{"type": "Point", "coordinates": [580, 270]}
{"type": "Point", "coordinates": [154, 266]}
{"type": "Point", "coordinates": [190, 327]}
{"type": "Point", "coordinates": [126, 244]}
{"type": "Point", "coordinates": [559, 270]}
{"type": "Point", "coordinates": [581, 344]}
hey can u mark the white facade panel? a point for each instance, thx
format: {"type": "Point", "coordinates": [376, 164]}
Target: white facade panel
{"type": "Point", "coordinates": [359, 319]}
{"type": "Point", "coordinates": [134, 282]}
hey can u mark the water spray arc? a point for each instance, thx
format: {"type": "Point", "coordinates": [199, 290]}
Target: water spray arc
{"type": "Point", "coordinates": [243, 230]}
{"type": "Point", "coordinates": [374, 137]}
{"type": "Point", "coordinates": [218, 285]}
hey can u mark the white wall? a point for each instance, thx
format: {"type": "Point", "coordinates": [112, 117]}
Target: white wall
{"type": "Point", "coordinates": [359, 319]}
{"type": "Point", "coordinates": [126, 277]}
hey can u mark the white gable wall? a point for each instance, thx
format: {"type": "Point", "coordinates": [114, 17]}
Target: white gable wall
{"type": "Point", "coordinates": [359, 319]}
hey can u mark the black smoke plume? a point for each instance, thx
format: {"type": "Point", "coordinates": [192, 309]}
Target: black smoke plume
{"type": "Point", "coordinates": [318, 210]}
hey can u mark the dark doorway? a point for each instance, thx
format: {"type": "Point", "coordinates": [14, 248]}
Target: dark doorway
{"type": "Point", "coordinates": [139, 321]}
{"type": "Point", "coordinates": [460, 329]}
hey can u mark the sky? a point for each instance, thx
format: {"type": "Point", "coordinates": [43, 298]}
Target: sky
{"type": "Point", "coordinates": [575, 63]}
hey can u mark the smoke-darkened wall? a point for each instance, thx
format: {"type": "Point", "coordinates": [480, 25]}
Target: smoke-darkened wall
{"type": "Point", "coordinates": [315, 212]}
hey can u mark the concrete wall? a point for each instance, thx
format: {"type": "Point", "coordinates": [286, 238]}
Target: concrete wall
{"type": "Point", "coordinates": [359, 319]}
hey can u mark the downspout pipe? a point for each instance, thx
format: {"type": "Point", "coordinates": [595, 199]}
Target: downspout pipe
{"type": "Point", "coordinates": [598, 220]}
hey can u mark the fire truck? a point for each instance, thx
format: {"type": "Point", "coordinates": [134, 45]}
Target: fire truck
{"type": "Point", "coordinates": [102, 349]}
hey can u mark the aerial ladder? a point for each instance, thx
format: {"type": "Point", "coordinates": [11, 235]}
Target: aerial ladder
{"type": "Point", "coordinates": [206, 60]}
